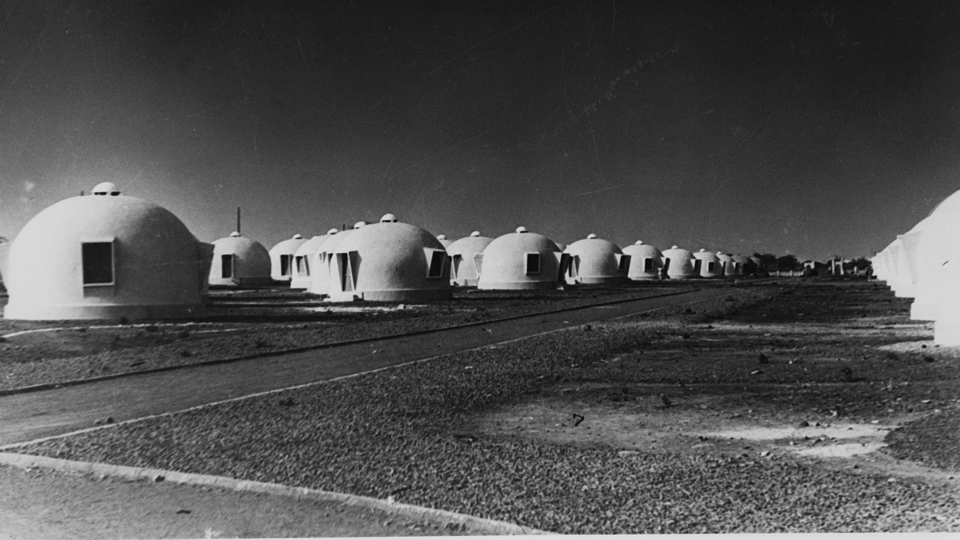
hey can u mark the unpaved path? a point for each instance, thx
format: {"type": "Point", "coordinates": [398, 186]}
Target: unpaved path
{"type": "Point", "coordinates": [29, 416]}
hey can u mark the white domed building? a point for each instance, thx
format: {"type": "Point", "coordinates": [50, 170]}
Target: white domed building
{"type": "Point", "coordinates": [106, 256]}
{"type": "Point", "coordinates": [595, 261]}
{"type": "Point", "coordinates": [320, 274]}
{"type": "Point", "coordinates": [707, 264]}
{"type": "Point", "coordinates": [522, 260]}
{"type": "Point", "coordinates": [645, 262]}
{"type": "Point", "coordinates": [389, 262]}
{"type": "Point", "coordinates": [281, 258]}
{"type": "Point", "coordinates": [306, 260]}
{"type": "Point", "coordinates": [729, 266]}
{"type": "Point", "coordinates": [239, 261]}
{"type": "Point", "coordinates": [744, 265]}
{"type": "Point", "coordinates": [464, 268]}
{"type": "Point", "coordinates": [678, 263]}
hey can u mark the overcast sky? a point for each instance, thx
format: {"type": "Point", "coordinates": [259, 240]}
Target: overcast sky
{"type": "Point", "coordinates": [812, 128]}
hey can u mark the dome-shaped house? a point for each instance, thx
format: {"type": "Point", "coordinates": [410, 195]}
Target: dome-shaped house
{"type": "Point", "coordinates": [595, 261]}
{"type": "Point", "coordinates": [389, 262]}
{"type": "Point", "coordinates": [521, 260]}
{"type": "Point", "coordinates": [106, 256]}
{"type": "Point", "coordinates": [305, 260]}
{"type": "Point", "coordinates": [281, 258]}
{"type": "Point", "coordinates": [320, 276]}
{"type": "Point", "coordinates": [239, 261]}
{"type": "Point", "coordinates": [678, 263]}
{"type": "Point", "coordinates": [645, 261]}
{"type": "Point", "coordinates": [464, 268]}
{"type": "Point", "coordinates": [707, 265]}
{"type": "Point", "coordinates": [926, 248]}
{"type": "Point", "coordinates": [744, 265]}
{"type": "Point", "coordinates": [728, 265]}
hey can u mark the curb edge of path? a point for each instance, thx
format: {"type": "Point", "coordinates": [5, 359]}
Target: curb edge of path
{"type": "Point", "coordinates": [443, 517]}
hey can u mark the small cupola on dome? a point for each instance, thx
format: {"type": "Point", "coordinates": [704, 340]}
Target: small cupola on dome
{"type": "Point", "coordinates": [638, 243]}
{"type": "Point", "coordinates": [333, 231]}
{"type": "Point", "coordinates": [521, 229]}
{"type": "Point", "coordinates": [591, 236]}
{"type": "Point", "coordinates": [442, 237]}
{"type": "Point", "coordinates": [234, 234]}
{"type": "Point", "coordinates": [388, 218]}
{"type": "Point", "coordinates": [359, 224]}
{"type": "Point", "coordinates": [475, 234]}
{"type": "Point", "coordinates": [106, 188]}
{"type": "Point", "coordinates": [702, 250]}
{"type": "Point", "coordinates": [674, 247]}
{"type": "Point", "coordinates": [297, 236]}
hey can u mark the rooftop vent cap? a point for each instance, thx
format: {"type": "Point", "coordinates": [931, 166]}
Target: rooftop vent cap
{"type": "Point", "coordinates": [475, 233]}
{"type": "Point", "coordinates": [521, 229]}
{"type": "Point", "coordinates": [359, 224]}
{"type": "Point", "coordinates": [234, 234]}
{"type": "Point", "coordinates": [674, 247]}
{"type": "Point", "coordinates": [333, 231]}
{"type": "Point", "coordinates": [388, 218]}
{"type": "Point", "coordinates": [442, 237]}
{"type": "Point", "coordinates": [639, 242]}
{"type": "Point", "coordinates": [591, 236]}
{"type": "Point", "coordinates": [106, 188]}
{"type": "Point", "coordinates": [297, 237]}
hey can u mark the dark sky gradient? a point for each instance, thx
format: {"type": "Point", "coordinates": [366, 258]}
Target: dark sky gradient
{"type": "Point", "coordinates": [812, 128]}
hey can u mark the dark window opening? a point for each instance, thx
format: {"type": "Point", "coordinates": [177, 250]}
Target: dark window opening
{"type": "Point", "coordinates": [346, 277]}
{"type": "Point", "coordinates": [285, 265]}
{"type": "Point", "coordinates": [697, 265]}
{"type": "Point", "coordinates": [97, 263]}
{"type": "Point", "coordinates": [455, 268]}
{"type": "Point", "coordinates": [437, 259]}
{"type": "Point", "coordinates": [303, 266]}
{"type": "Point", "coordinates": [533, 263]}
{"type": "Point", "coordinates": [711, 267]}
{"type": "Point", "coordinates": [226, 266]}
{"type": "Point", "coordinates": [648, 265]}
{"type": "Point", "coordinates": [624, 263]}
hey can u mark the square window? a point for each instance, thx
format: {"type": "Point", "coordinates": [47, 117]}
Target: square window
{"type": "Point", "coordinates": [648, 265]}
{"type": "Point", "coordinates": [533, 263]}
{"type": "Point", "coordinates": [226, 266]}
{"type": "Point", "coordinates": [711, 266]}
{"type": "Point", "coordinates": [97, 263]}
{"type": "Point", "coordinates": [624, 263]}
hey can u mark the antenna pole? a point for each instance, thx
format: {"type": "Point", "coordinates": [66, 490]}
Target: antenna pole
{"type": "Point", "coordinates": [238, 220]}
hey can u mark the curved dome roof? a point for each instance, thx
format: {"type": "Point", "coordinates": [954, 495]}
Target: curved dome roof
{"type": "Point", "coordinates": [505, 263]}
{"type": "Point", "coordinates": [306, 261]}
{"type": "Point", "coordinates": [464, 270]}
{"type": "Point", "coordinates": [250, 262]}
{"type": "Point", "coordinates": [595, 261]}
{"type": "Point", "coordinates": [320, 275]}
{"type": "Point", "coordinates": [156, 268]}
{"type": "Point", "coordinates": [645, 261]}
{"type": "Point", "coordinates": [680, 265]}
{"type": "Point", "coordinates": [641, 250]}
{"type": "Point", "coordinates": [390, 261]}
{"type": "Point", "coordinates": [705, 255]}
{"type": "Point", "coordinates": [281, 258]}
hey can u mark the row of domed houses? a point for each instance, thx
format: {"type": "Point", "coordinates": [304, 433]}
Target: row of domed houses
{"type": "Point", "coordinates": [110, 256]}
{"type": "Point", "coordinates": [924, 264]}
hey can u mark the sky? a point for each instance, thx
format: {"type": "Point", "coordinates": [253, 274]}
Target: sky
{"type": "Point", "coordinates": [810, 128]}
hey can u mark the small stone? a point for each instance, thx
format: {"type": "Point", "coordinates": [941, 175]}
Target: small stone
{"type": "Point", "coordinates": [763, 359]}
{"type": "Point", "coordinates": [183, 511]}
{"type": "Point", "coordinates": [159, 478]}
{"type": "Point", "coordinates": [804, 423]}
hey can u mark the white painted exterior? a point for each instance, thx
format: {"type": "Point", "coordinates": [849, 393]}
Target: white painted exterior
{"type": "Point", "coordinates": [389, 262]}
{"type": "Point", "coordinates": [147, 265]}
{"type": "Point", "coordinates": [709, 264]}
{"type": "Point", "coordinates": [506, 263]}
{"type": "Point", "coordinates": [678, 263]}
{"type": "Point", "coordinates": [306, 261]}
{"type": "Point", "coordinates": [248, 262]}
{"type": "Point", "coordinates": [645, 262]}
{"type": "Point", "coordinates": [281, 258]}
{"type": "Point", "coordinates": [595, 261]}
{"type": "Point", "coordinates": [320, 275]}
{"type": "Point", "coordinates": [463, 264]}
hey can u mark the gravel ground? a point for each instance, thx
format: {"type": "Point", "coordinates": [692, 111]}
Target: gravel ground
{"type": "Point", "coordinates": [260, 322]}
{"type": "Point", "coordinates": [405, 433]}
